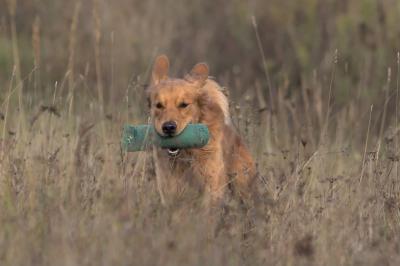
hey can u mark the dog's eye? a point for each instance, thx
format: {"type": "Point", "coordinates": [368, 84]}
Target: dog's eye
{"type": "Point", "coordinates": [183, 105]}
{"type": "Point", "coordinates": [159, 106]}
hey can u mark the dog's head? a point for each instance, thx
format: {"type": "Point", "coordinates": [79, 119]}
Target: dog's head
{"type": "Point", "coordinates": [174, 103]}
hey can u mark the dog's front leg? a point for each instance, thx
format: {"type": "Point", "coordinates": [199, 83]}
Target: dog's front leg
{"type": "Point", "coordinates": [211, 169]}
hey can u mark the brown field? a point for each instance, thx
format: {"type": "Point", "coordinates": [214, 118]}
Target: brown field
{"type": "Point", "coordinates": [315, 90]}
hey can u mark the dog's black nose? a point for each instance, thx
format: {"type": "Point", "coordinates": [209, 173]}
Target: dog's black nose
{"type": "Point", "coordinates": [169, 128]}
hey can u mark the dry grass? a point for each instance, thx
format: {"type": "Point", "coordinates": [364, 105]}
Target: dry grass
{"type": "Point", "coordinates": [328, 160]}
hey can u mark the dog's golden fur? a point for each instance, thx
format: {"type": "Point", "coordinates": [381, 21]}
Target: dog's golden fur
{"type": "Point", "coordinates": [224, 161]}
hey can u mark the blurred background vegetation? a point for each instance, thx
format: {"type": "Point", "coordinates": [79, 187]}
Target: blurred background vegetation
{"type": "Point", "coordinates": [299, 39]}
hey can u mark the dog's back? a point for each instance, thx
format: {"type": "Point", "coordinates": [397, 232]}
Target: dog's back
{"type": "Point", "coordinates": [239, 164]}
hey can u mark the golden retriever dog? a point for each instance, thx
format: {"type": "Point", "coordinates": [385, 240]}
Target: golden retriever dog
{"type": "Point", "coordinates": [224, 162]}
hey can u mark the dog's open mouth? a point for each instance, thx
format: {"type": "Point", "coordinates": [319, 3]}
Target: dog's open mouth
{"type": "Point", "coordinates": [173, 152]}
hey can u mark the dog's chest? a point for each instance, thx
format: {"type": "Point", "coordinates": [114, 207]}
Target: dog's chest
{"type": "Point", "coordinates": [183, 167]}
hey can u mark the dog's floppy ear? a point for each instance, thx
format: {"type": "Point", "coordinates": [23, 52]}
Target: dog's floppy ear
{"type": "Point", "coordinates": [198, 74]}
{"type": "Point", "coordinates": [160, 69]}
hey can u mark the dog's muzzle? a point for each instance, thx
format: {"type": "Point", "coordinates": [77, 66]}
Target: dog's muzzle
{"type": "Point", "coordinates": [173, 152]}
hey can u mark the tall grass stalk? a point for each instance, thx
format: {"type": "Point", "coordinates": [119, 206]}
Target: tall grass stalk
{"type": "Point", "coordinates": [267, 76]}
{"type": "Point", "coordinates": [36, 44]}
{"type": "Point", "coordinates": [386, 89]}
{"type": "Point", "coordinates": [325, 129]}
{"type": "Point", "coordinates": [71, 58]}
{"type": "Point", "coordinates": [6, 114]}
{"type": "Point", "coordinates": [397, 116]}
{"type": "Point", "coordinates": [99, 76]}
{"type": "Point", "coordinates": [12, 7]}
{"type": "Point", "coordinates": [366, 144]}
